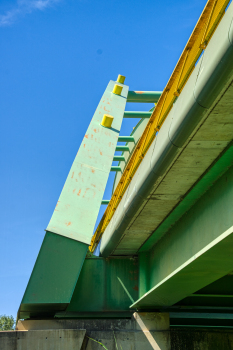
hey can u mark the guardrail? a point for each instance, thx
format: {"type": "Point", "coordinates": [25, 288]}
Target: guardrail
{"type": "Point", "coordinates": [198, 41]}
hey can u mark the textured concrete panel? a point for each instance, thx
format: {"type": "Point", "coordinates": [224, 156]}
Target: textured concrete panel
{"type": "Point", "coordinates": [201, 339]}
{"type": "Point", "coordinates": [63, 339]}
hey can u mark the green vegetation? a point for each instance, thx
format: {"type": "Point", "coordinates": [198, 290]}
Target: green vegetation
{"type": "Point", "coordinates": [6, 323]}
{"type": "Point", "coordinates": [103, 344]}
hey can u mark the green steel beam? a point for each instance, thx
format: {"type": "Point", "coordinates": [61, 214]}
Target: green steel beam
{"type": "Point", "coordinates": [105, 201]}
{"type": "Point", "coordinates": [218, 294]}
{"type": "Point", "coordinates": [206, 315]}
{"type": "Point", "coordinates": [70, 229]}
{"type": "Point", "coordinates": [126, 139]}
{"type": "Point", "coordinates": [144, 96]}
{"type": "Point", "coordinates": [137, 114]}
{"type": "Point", "coordinates": [210, 263]}
{"type": "Point", "coordinates": [122, 148]}
{"type": "Point", "coordinates": [54, 276]}
{"type": "Point", "coordinates": [211, 295]}
{"type": "Point", "coordinates": [104, 286]}
{"type": "Point", "coordinates": [119, 159]}
{"type": "Point", "coordinates": [195, 252]}
{"type": "Point", "coordinates": [116, 168]}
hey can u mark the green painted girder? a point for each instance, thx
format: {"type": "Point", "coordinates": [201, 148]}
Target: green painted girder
{"type": "Point", "coordinates": [50, 287]}
{"type": "Point", "coordinates": [116, 168]}
{"type": "Point", "coordinates": [217, 294]}
{"type": "Point", "coordinates": [104, 286]}
{"type": "Point", "coordinates": [70, 229]}
{"type": "Point", "coordinates": [210, 263]}
{"type": "Point", "coordinates": [126, 139]}
{"type": "Point", "coordinates": [192, 253]}
{"type": "Point", "coordinates": [119, 159]}
{"type": "Point", "coordinates": [122, 148]}
{"type": "Point", "coordinates": [144, 96]}
{"type": "Point", "coordinates": [137, 114]}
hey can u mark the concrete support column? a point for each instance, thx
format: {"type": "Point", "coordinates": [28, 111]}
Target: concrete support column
{"type": "Point", "coordinates": [155, 327]}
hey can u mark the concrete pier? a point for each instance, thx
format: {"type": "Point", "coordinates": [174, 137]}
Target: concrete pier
{"type": "Point", "coordinates": [144, 331]}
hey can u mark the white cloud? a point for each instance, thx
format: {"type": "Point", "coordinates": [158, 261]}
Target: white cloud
{"type": "Point", "coordinates": [23, 7]}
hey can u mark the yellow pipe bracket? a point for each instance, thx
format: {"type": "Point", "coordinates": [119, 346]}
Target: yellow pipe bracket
{"type": "Point", "coordinates": [107, 121]}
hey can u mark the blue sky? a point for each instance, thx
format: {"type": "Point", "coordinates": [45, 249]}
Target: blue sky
{"type": "Point", "coordinates": [57, 56]}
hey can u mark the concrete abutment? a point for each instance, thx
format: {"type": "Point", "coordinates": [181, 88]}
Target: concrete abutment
{"type": "Point", "coordinates": [144, 331]}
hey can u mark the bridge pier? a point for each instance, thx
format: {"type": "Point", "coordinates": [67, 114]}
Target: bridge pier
{"type": "Point", "coordinates": [145, 330]}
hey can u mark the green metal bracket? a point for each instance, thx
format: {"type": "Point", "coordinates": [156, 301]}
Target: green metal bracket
{"type": "Point", "coordinates": [122, 148]}
{"type": "Point", "coordinates": [137, 114]}
{"type": "Point", "coordinates": [126, 139]}
{"type": "Point", "coordinates": [119, 159]}
{"type": "Point", "coordinates": [105, 201]}
{"type": "Point", "coordinates": [144, 96]}
{"type": "Point", "coordinates": [116, 168]}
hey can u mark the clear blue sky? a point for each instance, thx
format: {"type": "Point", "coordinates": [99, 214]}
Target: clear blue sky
{"type": "Point", "coordinates": [56, 60]}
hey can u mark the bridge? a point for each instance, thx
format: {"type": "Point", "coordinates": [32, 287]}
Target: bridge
{"type": "Point", "coordinates": [164, 245]}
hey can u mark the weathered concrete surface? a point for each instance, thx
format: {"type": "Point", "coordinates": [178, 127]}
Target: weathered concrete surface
{"type": "Point", "coordinates": [201, 339]}
{"type": "Point", "coordinates": [129, 340]}
{"type": "Point", "coordinates": [155, 321]}
{"type": "Point", "coordinates": [146, 330]}
{"type": "Point", "coordinates": [63, 339]}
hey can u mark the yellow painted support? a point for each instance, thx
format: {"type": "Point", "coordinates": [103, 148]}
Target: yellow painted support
{"type": "Point", "coordinates": [107, 121]}
{"type": "Point", "coordinates": [121, 79]}
{"type": "Point", "coordinates": [117, 89]}
{"type": "Point", "coordinates": [205, 27]}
